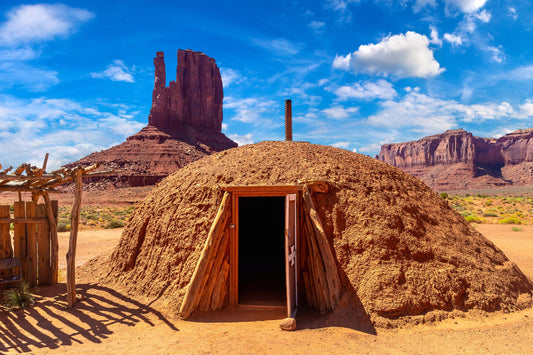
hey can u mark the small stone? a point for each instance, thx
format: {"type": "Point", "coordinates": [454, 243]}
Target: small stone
{"type": "Point", "coordinates": [288, 324]}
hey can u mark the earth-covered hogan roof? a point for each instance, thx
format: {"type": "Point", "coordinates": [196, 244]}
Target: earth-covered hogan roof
{"type": "Point", "coordinates": [398, 246]}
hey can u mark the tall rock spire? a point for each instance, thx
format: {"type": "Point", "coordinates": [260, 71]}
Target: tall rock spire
{"type": "Point", "coordinates": [194, 100]}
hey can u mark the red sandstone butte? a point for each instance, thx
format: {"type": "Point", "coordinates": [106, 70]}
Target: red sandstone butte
{"type": "Point", "coordinates": [184, 125]}
{"type": "Point", "coordinates": [456, 159]}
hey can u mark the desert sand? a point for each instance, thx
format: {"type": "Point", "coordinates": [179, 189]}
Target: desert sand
{"type": "Point", "coordinates": [106, 321]}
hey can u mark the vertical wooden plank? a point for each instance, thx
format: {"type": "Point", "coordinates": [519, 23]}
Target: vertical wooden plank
{"type": "Point", "coordinates": [31, 246]}
{"type": "Point", "coordinates": [234, 246]}
{"type": "Point", "coordinates": [51, 213]}
{"type": "Point", "coordinates": [43, 245]}
{"type": "Point", "coordinates": [71, 254]}
{"type": "Point", "coordinates": [19, 249]}
{"type": "Point", "coordinates": [6, 250]}
{"type": "Point", "coordinates": [55, 208]}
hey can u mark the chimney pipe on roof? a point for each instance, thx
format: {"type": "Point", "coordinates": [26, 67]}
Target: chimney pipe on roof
{"type": "Point", "coordinates": [288, 120]}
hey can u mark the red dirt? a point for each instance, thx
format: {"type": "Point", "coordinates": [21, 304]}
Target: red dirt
{"type": "Point", "coordinates": [107, 321]}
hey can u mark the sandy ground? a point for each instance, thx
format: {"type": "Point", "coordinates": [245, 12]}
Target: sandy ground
{"type": "Point", "coordinates": [108, 322]}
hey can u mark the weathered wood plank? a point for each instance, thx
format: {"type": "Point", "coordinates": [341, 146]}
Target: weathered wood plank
{"type": "Point", "coordinates": [208, 291]}
{"type": "Point", "coordinates": [221, 287]}
{"type": "Point", "coordinates": [31, 246]}
{"type": "Point", "coordinates": [6, 250]}
{"type": "Point", "coordinates": [330, 267]}
{"type": "Point", "coordinates": [211, 243]}
{"type": "Point", "coordinates": [51, 212]}
{"type": "Point", "coordinates": [43, 245]}
{"type": "Point", "coordinates": [201, 300]}
{"type": "Point", "coordinates": [317, 269]}
{"type": "Point", "coordinates": [71, 254]}
{"type": "Point", "coordinates": [19, 241]}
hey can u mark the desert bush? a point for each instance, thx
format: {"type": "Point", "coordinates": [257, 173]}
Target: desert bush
{"type": "Point", "coordinates": [19, 297]}
{"type": "Point", "coordinates": [473, 219]}
{"type": "Point", "coordinates": [516, 229]}
{"type": "Point", "coordinates": [444, 195]}
{"type": "Point", "coordinates": [114, 224]}
{"type": "Point", "coordinates": [63, 225]}
{"type": "Point", "coordinates": [490, 214]}
{"type": "Point", "coordinates": [510, 220]}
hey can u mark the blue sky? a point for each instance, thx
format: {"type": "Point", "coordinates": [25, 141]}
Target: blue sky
{"type": "Point", "coordinates": [77, 76]}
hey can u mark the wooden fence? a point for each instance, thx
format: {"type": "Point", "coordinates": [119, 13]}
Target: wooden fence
{"type": "Point", "coordinates": [31, 240]}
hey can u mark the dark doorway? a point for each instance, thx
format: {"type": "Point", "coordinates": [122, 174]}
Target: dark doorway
{"type": "Point", "coordinates": [262, 251]}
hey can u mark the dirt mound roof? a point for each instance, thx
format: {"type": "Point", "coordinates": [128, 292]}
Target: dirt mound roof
{"type": "Point", "coordinates": [399, 248]}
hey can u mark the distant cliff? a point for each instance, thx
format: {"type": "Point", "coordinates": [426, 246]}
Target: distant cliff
{"type": "Point", "coordinates": [456, 159]}
{"type": "Point", "coordinates": [184, 125]}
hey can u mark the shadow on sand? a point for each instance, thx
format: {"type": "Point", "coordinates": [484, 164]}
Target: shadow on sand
{"type": "Point", "coordinates": [49, 324]}
{"type": "Point", "coordinates": [349, 313]}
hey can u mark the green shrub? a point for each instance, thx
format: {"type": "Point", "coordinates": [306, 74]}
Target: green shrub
{"type": "Point", "coordinates": [19, 297]}
{"type": "Point", "coordinates": [444, 195]}
{"type": "Point", "coordinates": [490, 214]}
{"type": "Point", "coordinates": [114, 224]}
{"type": "Point", "coordinates": [473, 219]}
{"type": "Point", "coordinates": [510, 220]}
{"type": "Point", "coordinates": [516, 229]}
{"type": "Point", "coordinates": [63, 226]}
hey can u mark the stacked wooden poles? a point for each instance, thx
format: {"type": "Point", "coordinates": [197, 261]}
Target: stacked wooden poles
{"type": "Point", "coordinates": [209, 283]}
{"type": "Point", "coordinates": [321, 278]}
{"type": "Point", "coordinates": [71, 254]}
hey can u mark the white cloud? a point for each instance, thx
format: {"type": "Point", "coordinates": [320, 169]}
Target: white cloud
{"type": "Point", "coordinates": [419, 4]}
{"type": "Point", "coordinates": [367, 90]}
{"type": "Point", "coordinates": [40, 22]}
{"type": "Point", "coordinates": [403, 55]}
{"type": "Point", "coordinates": [242, 139]}
{"type": "Point", "coordinates": [434, 36]}
{"type": "Point", "coordinates": [342, 8]}
{"type": "Point", "coordinates": [490, 111]}
{"type": "Point", "coordinates": [339, 112]}
{"type": "Point", "coordinates": [64, 128]}
{"type": "Point", "coordinates": [523, 73]}
{"type": "Point", "coordinates": [497, 54]}
{"type": "Point", "coordinates": [513, 13]}
{"type": "Point", "coordinates": [280, 46]}
{"type": "Point", "coordinates": [118, 71]}
{"type": "Point", "coordinates": [19, 54]}
{"type": "Point", "coordinates": [229, 76]}
{"type": "Point", "coordinates": [317, 26]}
{"type": "Point", "coordinates": [454, 40]}
{"type": "Point", "coordinates": [423, 113]}
{"type": "Point", "coordinates": [343, 145]}
{"type": "Point", "coordinates": [251, 110]}
{"type": "Point", "coordinates": [428, 115]}
{"type": "Point", "coordinates": [17, 74]}
{"type": "Point", "coordinates": [467, 6]}
{"type": "Point", "coordinates": [526, 110]}
{"type": "Point", "coordinates": [483, 16]}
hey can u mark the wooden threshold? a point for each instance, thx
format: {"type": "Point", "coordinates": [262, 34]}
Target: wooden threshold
{"type": "Point", "coordinates": [261, 307]}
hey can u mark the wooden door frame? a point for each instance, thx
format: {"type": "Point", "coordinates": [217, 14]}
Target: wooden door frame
{"type": "Point", "coordinates": [247, 191]}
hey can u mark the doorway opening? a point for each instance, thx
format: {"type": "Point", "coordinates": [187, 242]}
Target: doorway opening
{"type": "Point", "coordinates": [261, 245]}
